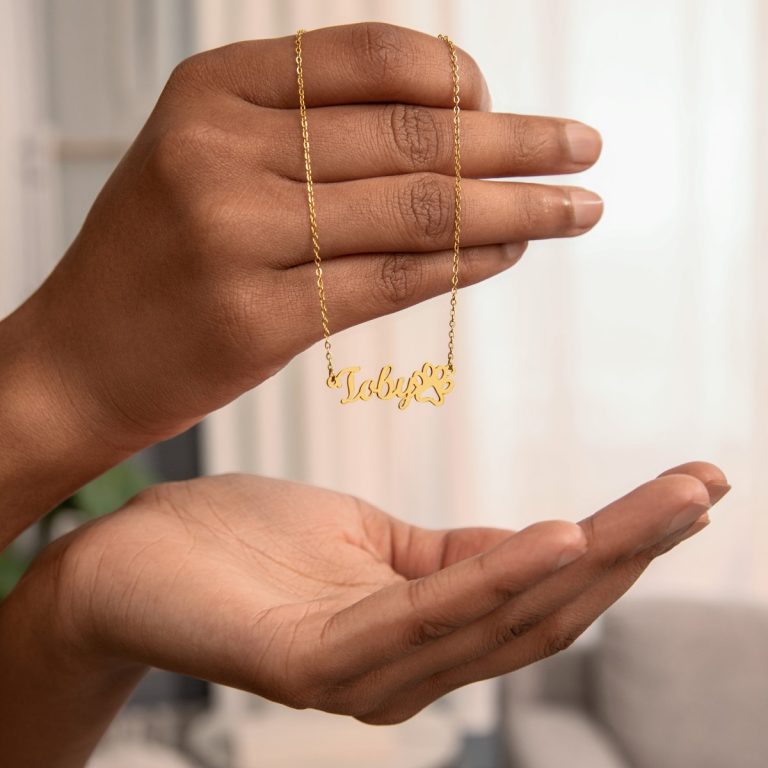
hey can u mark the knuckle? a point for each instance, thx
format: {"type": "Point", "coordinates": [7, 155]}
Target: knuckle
{"type": "Point", "coordinates": [200, 70]}
{"type": "Point", "coordinates": [187, 70]}
{"type": "Point", "coordinates": [338, 698]}
{"type": "Point", "coordinates": [425, 203]}
{"type": "Point", "coordinates": [190, 165]}
{"type": "Point", "coordinates": [415, 136]}
{"type": "Point", "coordinates": [423, 631]}
{"type": "Point", "coordinates": [529, 209]}
{"type": "Point", "coordinates": [508, 631]}
{"type": "Point", "coordinates": [193, 76]}
{"type": "Point", "coordinates": [504, 591]}
{"type": "Point", "coordinates": [380, 49]}
{"type": "Point", "coordinates": [530, 144]}
{"type": "Point", "coordinates": [181, 151]}
{"type": "Point", "coordinates": [398, 279]}
{"type": "Point", "coordinates": [560, 640]}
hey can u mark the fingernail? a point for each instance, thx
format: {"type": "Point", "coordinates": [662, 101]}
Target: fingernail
{"type": "Point", "coordinates": [584, 143]}
{"type": "Point", "coordinates": [686, 533]}
{"type": "Point", "coordinates": [587, 208]}
{"type": "Point", "coordinates": [512, 252]}
{"type": "Point", "coordinates": [687, 516]}
{"type": "Point", "coordinates": [717, 491]}
{"type": "Point", "coordinates": [569, 554]}
{"type": "Point", "coordinates": [694, 528]}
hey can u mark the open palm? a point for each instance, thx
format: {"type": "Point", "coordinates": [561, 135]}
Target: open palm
{"type": "Point", "coordinates": [317, 599]}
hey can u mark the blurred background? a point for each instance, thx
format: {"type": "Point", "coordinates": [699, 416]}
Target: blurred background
{"type": "Point", "coordinates": [589, 367]}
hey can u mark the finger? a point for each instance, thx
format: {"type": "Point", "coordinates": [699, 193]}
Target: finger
{"type": "Point", "coordinates": [553, 625]}
{"type": "Point", "coordinates": [555, 633]}
{"type": "Point", "coordinates": [687, 533]}
{"type": "Point", "coordinates": [363, 287]}
{"type": "Point", "coordinates": [552, 635]}
{"type": "Point", "coordinates": [358, 142]}
{"type": "Point", "coordinates": [709, 474]}
{"type": "Point", "coordinates": [415, 212]}
{"type": "Point", "coordinates": [413, 552]}
{"type": "Point", "coordinates": [417, 552]}
{"type": "Point", "coordinates": [405, 616]}
{"type": "Point", "coordinates": [499, 641]}
{"type": "Point", "coordinates": [355, 63]}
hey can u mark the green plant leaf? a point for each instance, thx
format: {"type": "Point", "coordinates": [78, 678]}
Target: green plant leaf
{"type": "Point", "coordinates": [112, 489]}
{"type": "Point", "coordinates": [12, 568]}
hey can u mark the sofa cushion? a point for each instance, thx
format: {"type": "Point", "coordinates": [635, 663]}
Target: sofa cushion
{"type": "Point", "coordinates": [684, 685]}
{"type": "Point", "coordinates": [553, 736]}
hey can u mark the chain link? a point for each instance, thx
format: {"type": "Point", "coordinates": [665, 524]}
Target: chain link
{"type": "Point", "coordinates": [457, 198]}
{"type": "Point", "coordinates": [313, 210]}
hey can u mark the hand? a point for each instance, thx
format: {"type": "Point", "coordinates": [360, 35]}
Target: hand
{"type": "Point", "coordinates": [316, 599]}
{"type": "Point", "coordinates": [192, 278]}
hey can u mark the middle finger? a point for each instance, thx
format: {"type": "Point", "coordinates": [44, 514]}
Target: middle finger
{"type": "Point", "coordinates": [362, 141]}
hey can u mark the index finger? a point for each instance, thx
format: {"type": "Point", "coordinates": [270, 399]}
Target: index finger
{"type": "Point", "coordinates": [354, 63]}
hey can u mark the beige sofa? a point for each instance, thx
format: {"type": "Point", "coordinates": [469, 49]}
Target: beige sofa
{"type": "Point", "coordinates": [666, 684]}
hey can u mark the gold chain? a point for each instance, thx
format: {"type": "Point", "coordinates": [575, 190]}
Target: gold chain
{"type": "Point", "coordinates": [431, 383]}
{"type": "Point", "coordinates": [312, 211]}
{"type": "Point", "coordinates": [457, 197]}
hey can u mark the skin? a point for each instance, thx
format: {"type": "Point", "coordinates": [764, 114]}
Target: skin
{"type": "Point", "coordinates": [310, 598]}
{"type": "Point", "coordinates": [191, 282]}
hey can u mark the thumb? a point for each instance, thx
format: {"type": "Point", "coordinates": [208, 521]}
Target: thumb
{"type": "Point", "coordinates": [417, 552]}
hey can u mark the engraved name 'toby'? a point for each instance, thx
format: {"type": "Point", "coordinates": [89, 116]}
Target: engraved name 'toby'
{"type": "Point", "coordinates": [429, 385]}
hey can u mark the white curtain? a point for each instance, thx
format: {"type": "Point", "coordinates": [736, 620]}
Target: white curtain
{"type": "Point", "coordinates": [27, 172]}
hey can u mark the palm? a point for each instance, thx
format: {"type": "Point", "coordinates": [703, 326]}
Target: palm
{"type": "Point", "coordinates": [260, 561]}
{"type": "Point", "coordinates": [313, 598]}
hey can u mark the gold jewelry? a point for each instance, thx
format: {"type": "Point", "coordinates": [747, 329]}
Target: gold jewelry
{"type": "Point", "coordinates": [431, 383]}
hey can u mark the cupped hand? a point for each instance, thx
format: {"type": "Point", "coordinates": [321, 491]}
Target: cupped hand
{"type": "Point", "coordinates": [192, 278]}
{"type": "Point", "coordinates": [317, 599]}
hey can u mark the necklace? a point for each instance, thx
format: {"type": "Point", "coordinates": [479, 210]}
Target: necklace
{"type": "Point", "coordinates": [431, 383]}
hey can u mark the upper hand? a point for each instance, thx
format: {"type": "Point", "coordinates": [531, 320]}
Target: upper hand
{"type": "Point", "coordinates": [192, 278]}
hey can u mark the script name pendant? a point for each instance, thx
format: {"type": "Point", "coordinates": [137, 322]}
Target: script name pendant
{"type": "Point", "coordinates": [430, 384]}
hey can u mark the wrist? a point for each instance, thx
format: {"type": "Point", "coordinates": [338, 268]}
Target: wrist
{"type": "Point", "coordinates": [52, 606]}
{"type": "Point", "coordinates": [49, 443]}
{"type": "Point", "coordinates": [50, 673]}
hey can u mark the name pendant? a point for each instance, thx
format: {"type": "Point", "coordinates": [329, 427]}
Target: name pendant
{"type": "Point", "coordinates": [430, 384]}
